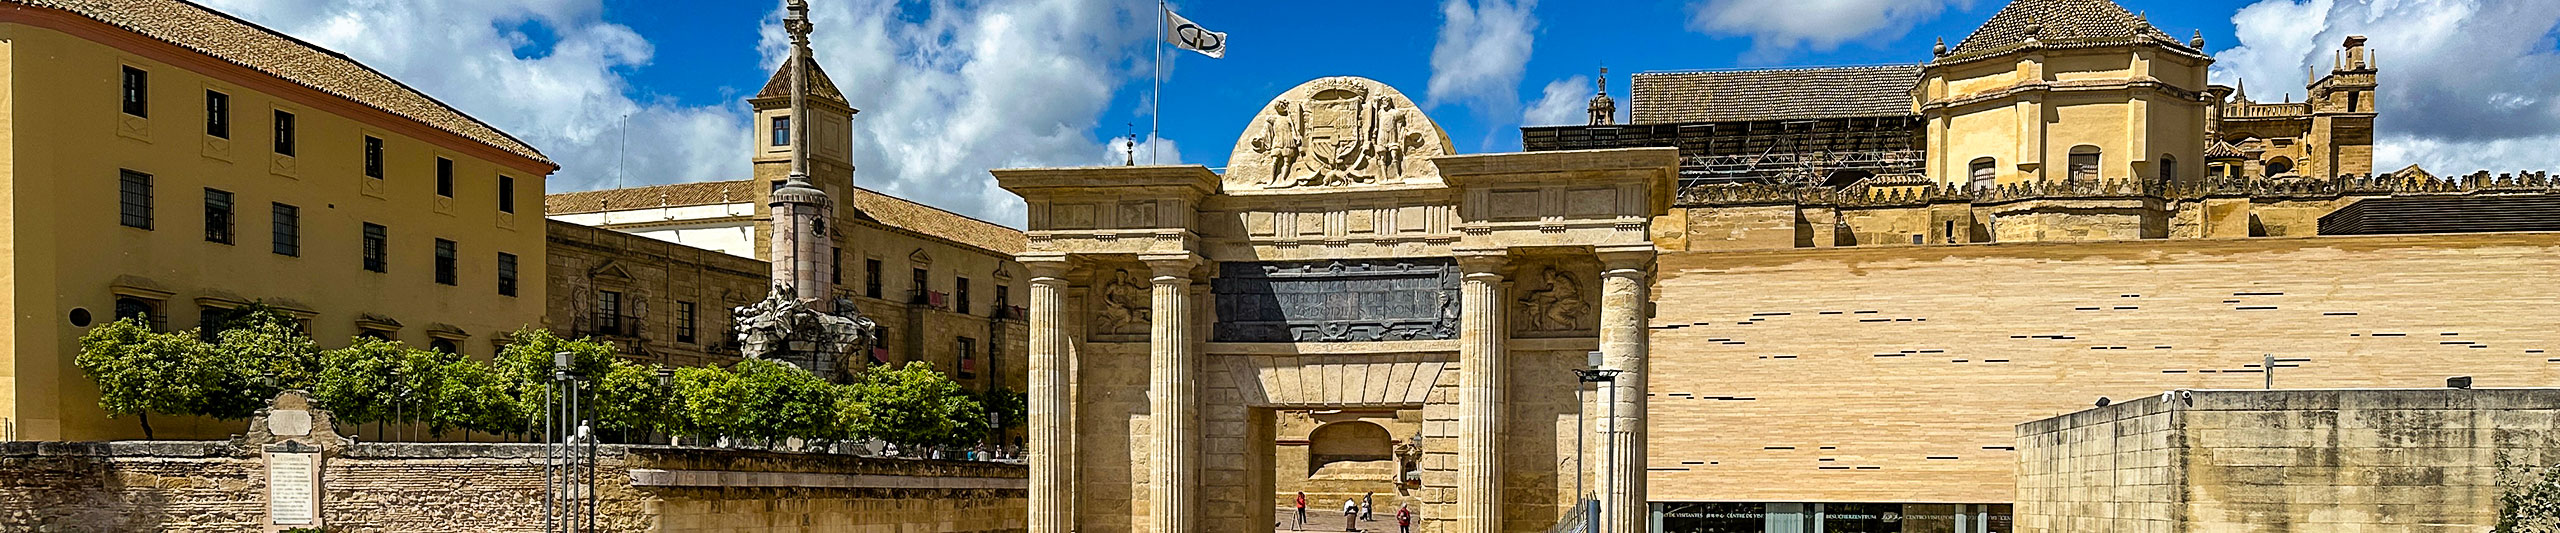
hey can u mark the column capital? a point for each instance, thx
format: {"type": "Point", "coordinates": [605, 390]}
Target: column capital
{"type": "Point", "coordinates": [1618, 258]}
{"type": "Point", "coordinates": [1171, 265]}
{"type": "Point", "coordinates": [1050, 266]}
{"type": "Point", "coordinates": [1495, 263]}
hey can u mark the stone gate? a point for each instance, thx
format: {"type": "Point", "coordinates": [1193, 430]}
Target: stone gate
{"type": "Point", "coordinates": [1345, 259]}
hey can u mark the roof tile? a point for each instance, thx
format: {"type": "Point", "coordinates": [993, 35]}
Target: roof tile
{"type": "Point", "coordinates": [1782, 94]}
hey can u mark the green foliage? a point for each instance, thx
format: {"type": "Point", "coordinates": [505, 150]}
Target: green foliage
{"type": "Point", "coordinates": [709, 401]}
{"type": "Point", "coordinates": [916, 406]}
{"type": "Point", "coordinates": [474, 397]}
{"type": "Point", "coordinates": [2528, 499]}
{"type": "Point", "coordinates": [631, 396]}
{"type": "Point", "coordinates": [527, 364]}
{"type": "Point", "coordinates": [227, 376]}
{"type": "Point", "coordinates": [785, 401]}
{"type": "Point", "coordinates": [1007, 407]}
{"type": "Point", "coordinates": [375, 380]}
{"type": "Point", "coordinates": [261, 354]}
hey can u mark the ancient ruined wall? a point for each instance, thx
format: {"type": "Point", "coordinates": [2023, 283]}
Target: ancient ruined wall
{"type": "Point", "coordinates": [208, 486]}
{"type": "Point", "coordinates": [1895, 374]}
{"type": "Point", "coordinates": [2281, 461]}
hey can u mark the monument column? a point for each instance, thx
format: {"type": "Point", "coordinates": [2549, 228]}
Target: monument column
{"type": "Point", "coordinates": [1173, 475]}
{"type": "Point", "coordinates": [1052, 440]}
{"type": "Point", "coordinates": [1624, 289]}
{"type": "Point", "coordinates": [1481, 332]}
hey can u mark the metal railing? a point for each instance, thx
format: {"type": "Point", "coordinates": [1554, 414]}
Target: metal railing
{"type": "Point", "coordinates": [1578, 520]}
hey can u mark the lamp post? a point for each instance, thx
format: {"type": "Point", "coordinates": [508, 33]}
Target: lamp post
{"type": "Point", "coordinates": [1606, 377]}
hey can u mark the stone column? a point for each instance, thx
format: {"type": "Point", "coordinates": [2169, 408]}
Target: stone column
{"type": "Point", "coordinates": [1624, 288]}
{"type": "Point", "coordinates": [1481, 333]}
{"type": "Point", "coordinates": [1173, 414]}
{"type": "Point", "coordinates": [1052, 436]}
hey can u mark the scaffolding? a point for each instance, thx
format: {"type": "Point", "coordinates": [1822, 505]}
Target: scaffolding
{"type": "Point", "coordinates": [1825, 151]}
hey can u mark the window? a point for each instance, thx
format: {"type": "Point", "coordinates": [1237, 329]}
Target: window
{"type": "Point", "coordinates": [2279, 166]}
{"type": "Point", "coordinates": [446, 267]}
{"type": "Point", "coordinates": [2168, 168]}
{"type": "Point", "coordinates": [136, 200]}
{"type": "Point", "coordinates": [917, 287]}
{"type": "Point", "coordinates": [217, 216]}
{"type": "Point", "coordinates": [960, 295]}
{"type": "Point", "coordinates": [443, 346]}
{"type": "Point", "coordinates": [147, 310]}
{"type": "Point", "coordinates": [968, 360]}
{"type": "Point", "coordinates": [2084, 163]}
{"type": "Point", "coordinates": [871, 278]}
{"type": "Point", "coordinates": [684, 322]}
{"type": "Point", "coordinates": [608, 312]}
{"type": "Point", "coordinates": [217, 114]}
{"type": "Point", "coordinates": [444, 177]}
{"type": "Point", "coordinates": [781, 131]}
{"type": "Point", "coordinates": [376, 247]}
{"type": "Point", "coordinates": [835, 265]}
{"type": "Point", "coordinates": [287, 230]}
{"type": "Point", "coordinates": [137, 92]}
{"type": "Point", "coordinates": [284, 133]}
{"type": "Point", "coordinates": [1004, 299]}
{"type": "Point", "coordinates": [372, 157]}
{"type": "Point", "coordinates": [506, 274]}
{"type": "Point", "coordinates": [506, 194]}
{"type": "Point", "coordinates": [1985, 173]}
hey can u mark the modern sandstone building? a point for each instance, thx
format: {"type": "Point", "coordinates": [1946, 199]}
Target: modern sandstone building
{"type": "Point", "coordinates": [159, 158]}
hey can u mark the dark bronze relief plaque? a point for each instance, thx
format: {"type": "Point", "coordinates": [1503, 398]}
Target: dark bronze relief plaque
{"type": "Point", "coordinates": [1337, 301]}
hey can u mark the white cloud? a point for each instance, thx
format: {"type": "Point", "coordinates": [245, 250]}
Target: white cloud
{"type": "Point", "coordinates": [1156, 151]}
{"type": "Point", "coordinates": [1482, 53]}
{"type": "Point", "coordinates": [2465, 84]}
{"type": "Point", "coordinates": [1565, 102]}
{"type": "Point", "coordinates": [567, 100]}
{"type": "Point", "coordinates": [1777, 27]}
{"type": "Point", "coordinates": [950, 93]}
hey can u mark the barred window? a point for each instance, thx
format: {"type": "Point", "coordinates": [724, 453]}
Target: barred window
{"type": "Point", "coordinates": [136, 199]}
{"type": "Point", "coordinates": [609, 312]}
{"type": "Point", "coordinates": [506, 274]}
{"type": "Point", "coordinates": [376, 248]}
{"type": "Point", "coordinates": [684, 322]}
{"type": "Point", "coordinates": [288, 230]}
{"type": "Point", "coordinates": [447, 269]}
{"type": "Point", "coordinates": [217, 216]}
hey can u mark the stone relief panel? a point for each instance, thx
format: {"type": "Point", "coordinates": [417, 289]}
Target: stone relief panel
{"type": "Point", "coordinates": [1124, 303]}
{"type": "Point", "coordinates": [1557, 302]}
{"type": "Point", "coordinates": [1336, 132]}
{"type": "Point", "coordinates": [1337, 301]}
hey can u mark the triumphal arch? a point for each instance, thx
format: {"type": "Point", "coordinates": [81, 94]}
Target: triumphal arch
{"type": "Point", "coordinates": [1346, 259]}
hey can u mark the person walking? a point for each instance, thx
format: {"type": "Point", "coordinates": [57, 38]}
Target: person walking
{"type": "Point", "coordinates": [1350, 515]}
{"type": "Point", "coordinates": [1302, 510]}
{"type": "Point", "coordinates": [1366, 513]}
{"type": "Point", "coordinates": [1404, 518]}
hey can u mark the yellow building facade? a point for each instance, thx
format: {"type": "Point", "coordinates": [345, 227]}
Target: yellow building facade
{"type": "Point", "coordinates": [158, 157]}
{"type": "Point", "coordinates": [2064, 90]}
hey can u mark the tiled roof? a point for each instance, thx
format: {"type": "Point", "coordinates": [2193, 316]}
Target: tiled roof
{"type": "Point", "coordinates": [1743, 95]}
{"type": "Point", "coordinates": [887, 210]}
{"type": "Point", "coordinates": [2060, 22]}
{"type": "Point", "coordinates": [221, 36]}
{"type": "Point", "coordinates": [820, 86]}
{"type": "Point", "coordinates": [2223, 150]}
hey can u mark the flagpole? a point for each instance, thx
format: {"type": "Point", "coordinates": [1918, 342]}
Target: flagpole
{"type": "Point", "coordinates": [1155, 110]}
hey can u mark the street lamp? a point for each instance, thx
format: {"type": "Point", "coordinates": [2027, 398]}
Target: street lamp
{"type": "Point", "coordinates": [1607, 377]}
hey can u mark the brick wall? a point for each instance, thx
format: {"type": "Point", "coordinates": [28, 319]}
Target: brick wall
{"type": "Point", "coordinates": [214, 486]}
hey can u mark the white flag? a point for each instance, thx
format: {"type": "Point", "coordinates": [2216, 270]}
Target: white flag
{"type": "Point", "coordinates": [1183, 34]}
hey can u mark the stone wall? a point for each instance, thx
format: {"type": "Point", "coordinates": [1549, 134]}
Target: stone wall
{"type": "Point", "coordinates": [2282, 460]}
{"type": "Point", "coordinates": [215, 486]}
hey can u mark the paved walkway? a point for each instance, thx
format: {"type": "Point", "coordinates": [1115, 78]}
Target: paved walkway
{"type": "Point", "coordinates": [1320, 520]}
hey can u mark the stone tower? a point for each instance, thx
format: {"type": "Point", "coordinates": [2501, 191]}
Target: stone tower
{"type": "Point", "coordinates": [801, 321]}
{"type": "Point", "coordinates": [2342, 113]}
{"type": "Point", "coordinates": [1604, 111]}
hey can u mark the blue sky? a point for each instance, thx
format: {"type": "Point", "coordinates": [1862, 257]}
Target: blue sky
{"type": "Point", "coordinates": [951, 88]}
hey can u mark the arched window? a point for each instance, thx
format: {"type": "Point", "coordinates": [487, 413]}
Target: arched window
{"type": "Point", "coordinates": [1983, 174]}
{"type": "Point", "coordinates": [2279, 166]}
{"type": "Point", "coordinates": [2084, 163]}
{"type": "Point", "coordinates": [2168, 167]}
{"type": "Point", "coordinates": [1347, 443]}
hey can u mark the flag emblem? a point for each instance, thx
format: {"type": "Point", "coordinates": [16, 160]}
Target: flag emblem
{"type": "Point", "coordinates": [1187, 35]}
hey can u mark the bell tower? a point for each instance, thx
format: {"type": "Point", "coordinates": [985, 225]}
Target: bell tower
{"type": "Point", "coordinates": [2342, 114]}
{"type": "Point", "coordinates": [805, 132]}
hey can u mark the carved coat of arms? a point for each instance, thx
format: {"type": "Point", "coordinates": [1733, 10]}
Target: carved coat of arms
{"type": "Point", "coordinates": [1342, 133]}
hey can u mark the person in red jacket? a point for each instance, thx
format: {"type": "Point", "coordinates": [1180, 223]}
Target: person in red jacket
{"type": "Point", "coordinates": [1404, 518]}
{"type": "Point", "coordinates": [1302, 510]}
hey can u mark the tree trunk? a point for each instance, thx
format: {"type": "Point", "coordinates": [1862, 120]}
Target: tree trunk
{"type": "Point", "coordinates": [146, 426]}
